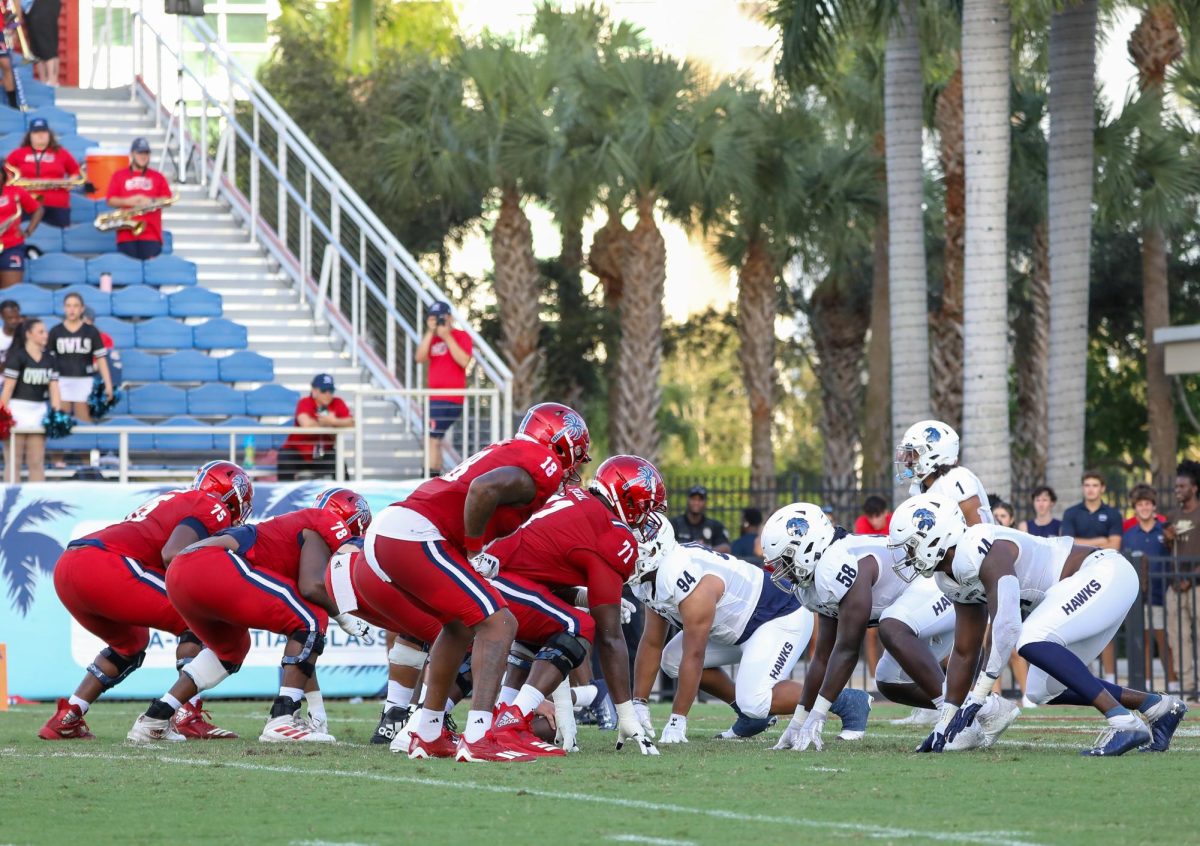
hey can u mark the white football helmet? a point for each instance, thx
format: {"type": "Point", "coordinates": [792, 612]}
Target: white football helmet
{"type": "Point", "coordinates": [656, 541]}
{"type": "Point", "coordinates": [924, 528]}
{"type": "Point", "coordinates": [793, 541]}
{"type": "Point", "coordinates": [925, 447]}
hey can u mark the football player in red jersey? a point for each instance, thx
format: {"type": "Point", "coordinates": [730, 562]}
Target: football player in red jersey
{"type": "Point", "coordinates": [112, 581]}
{"type": "Point", "coordinates": [423, 547]}
{"type": "Point", "coordinates": [582, 538]}
{"type": "Point", "coordinates": [267, 576]}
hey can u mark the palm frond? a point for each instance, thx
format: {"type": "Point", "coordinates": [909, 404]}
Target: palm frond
{"type": "Point", "coordinates": [34, 549]}
{"type": "Point", "coordinates": [35, 512]}
{"type": "Point", "coordinates": [22, 580]}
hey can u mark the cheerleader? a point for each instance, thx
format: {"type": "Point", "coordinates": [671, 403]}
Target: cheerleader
{"type": "Point", "coordinates": [80, 354]}
{"type": "Point", "coordinates": [30, 379]}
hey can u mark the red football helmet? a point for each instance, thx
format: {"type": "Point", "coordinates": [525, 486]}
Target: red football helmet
{"type": "Point", "coordinates": [632, 487]}
{"type": "Point", "coordinates": [349, 506]}
{"type": "Point", "coordinates": [230, 484]}
{"type": "Point", "coordinates": [561, 430]}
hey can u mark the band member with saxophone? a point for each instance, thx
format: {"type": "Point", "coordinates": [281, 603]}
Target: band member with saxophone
{"type": "Point", "coordinates": [15, 202]}
{"type": "Point", "coordinates": [47, 170]}
{"type": "Point", "coordinates": [137, 187]}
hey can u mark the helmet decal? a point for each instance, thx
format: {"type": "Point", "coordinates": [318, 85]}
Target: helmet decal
{"type": "Point", "coordinates": [933, 435]}
{"type": "Point", "coordinates": [645, 476]}
{"type": "Point", "coordinates": [573, 427]}
{"type": "Point", "coordinates": [924, 518]}
{"type": "Point", "coordinates": [797, 527]}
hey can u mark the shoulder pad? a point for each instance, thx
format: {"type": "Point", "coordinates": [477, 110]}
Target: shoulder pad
{"type": "Point", "coordinates": [971, 550]}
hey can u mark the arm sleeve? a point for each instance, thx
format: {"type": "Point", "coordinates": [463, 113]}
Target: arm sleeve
{"type": "Point", "coordinates": [244, 535]}
{"type": "Point", "coordinates": [212, 518]}
{"type": "Point", "coordinates": [116, 187]}
{"type": "Point", "coordinates": [162, 187]}
{"type": "Point", "coordinates": [339, 408]}
{"type": "Point", "coordinates": [1006, 627]}
{"type": "Point", "coordinates": [333, 533]}
{"type": "Point", "coordinates": [464, 341]}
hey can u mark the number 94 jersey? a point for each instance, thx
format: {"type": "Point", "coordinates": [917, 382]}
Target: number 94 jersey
{"type": "Point", "coordinates": [143, 534]}
{"type": "Point", "coordinates": [837, 570]}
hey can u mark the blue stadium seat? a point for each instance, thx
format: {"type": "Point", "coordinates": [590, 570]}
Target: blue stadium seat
{"type": "Point", "coordinates": [170, 270]}
{"type": "Point", "coordinates": [182, 443]}
{"type": "Point", "coordinates": [219, 334]}
{"type": "Point", "coordinates": [34, 301]}
{"type": "Point", "coordinates": [11, 141]}
{"type": "Point", "coordinates": [271, 401]}
{"type": "Point", "coordinates": [37, 94]}
{"type": "Point", "coordinates": [122, 406]}
{"type": "Point", "coordinates": [57, 268]}
{"type": "Point", "coordinates": [124, 270]}
{"type": "Point", "coordinates": [87, 239]}
{"type": "Point", "coordinates": [195, 302]}
{"type": "Point", "coordinates": [246, 366]}
{"type": "Point", "coordinates": [158, 401]}
{"type": "Point", "coordinates": [139, 301]}
{"type": "Point", "coordinates": [46, 239]}
{"type": "Point", "coordinates": [98, 301]}
{"type": "Point", "coordinates": [12, 121]}
{"type": "Point", "coordinates": [76, 441]}
{"type": "Point", "coordinates": [261, 442]}
{"type": "Point", "coordinates": [138, 366]}
{"type": "Point", "coordinates": [189, 366]}
{"type": "Point", "coordinates": [168, 243]}
{"type": "Point", "coordinates": [77, 146]}
{"type": "Point", "coordinates": [83, 210]}
{"type": "Point", "coordinates": [120, 331]}
{"type": "Point", "coordinates": [163, 333]}
{"type": "Point", "coordinates": [60, 120]}
{"type": "Point", "coordinates": [216, 400]}
{"type": "Point", "coordinates": [111, 443]}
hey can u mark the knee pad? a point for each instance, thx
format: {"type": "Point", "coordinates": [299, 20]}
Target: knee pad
{"type": "Point", "coordinates": [522, 660]}
{"type": "Point", "coordinates": [406, 656]}
{"type": "Point", "coordinates": [314, 644]}
{"type": "Point", "coordinates": [206, 670]}
{"type": "Point", "coordinates": [564, 651]}
{"type": "Point", "coordinates": [124, 664]}
{"type": "Point", "coordinates": [465, 685]}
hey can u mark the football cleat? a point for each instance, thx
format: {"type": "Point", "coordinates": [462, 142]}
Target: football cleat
{"type": "Point", "coordinates": [288, 728]}
{"type": "Point", "coordinates": [852, 706]}
{"type": "Point", "coordinates": [602, 708]}
{"type": "Point", "coordinates": [918, 717]}
{"type": "Point", "coordinates": [66, 724]}
{"type": "Point", "coordinates": [511, 729]}
{"type": "Point", "coordinates": [1164, 718]}
{"type": "Point", "coordinates": [1117, 741]}
{"type": "Point", "coordinates": [488, 748]}
{"type": "Point", "coordinates": [998, 721]}
{"type": "Point", "coordinates": [192, 722]}
{"type": "Point", "coordinates": [969, 738]}
{"type": "Point", "coordinates": [744, 728]}
{"type": "Point", "coordinates": [451, 726]}
{"type": "Point", "coordinates": [391, 721]}
{"type": "Point", "coordinates": [149, 730]}
{"type": "Point", "coordinates": [443, 747]}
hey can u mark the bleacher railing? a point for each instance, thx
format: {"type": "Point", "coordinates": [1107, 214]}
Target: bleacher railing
{"type": "Point", "coordinates": [226, 131]}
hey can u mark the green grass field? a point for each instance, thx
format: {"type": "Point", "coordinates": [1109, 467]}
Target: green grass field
{"type": "Point", "coordinates": [1032, 788]}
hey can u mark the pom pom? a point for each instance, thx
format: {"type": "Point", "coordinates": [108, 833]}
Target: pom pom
{"type": "Point", "coordinates": [58, 424]}
{"type": "Point", "coordinates": [6, 423]}
{"type": "Point", "coordinates": [98, 404]}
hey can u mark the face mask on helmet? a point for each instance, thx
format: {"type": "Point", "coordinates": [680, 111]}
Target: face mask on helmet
{"type": "Point", "coordinates": [793, 541]}
{"type": "Point", "coordinates": [655, 542]}
{"type": "Point", "coordinates": [230, 484]}
{"type": "Point", "coordinates": [923, 530]}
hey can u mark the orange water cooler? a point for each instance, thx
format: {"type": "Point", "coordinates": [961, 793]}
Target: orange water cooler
{"type": "Point", "coordinates": [102, 163]}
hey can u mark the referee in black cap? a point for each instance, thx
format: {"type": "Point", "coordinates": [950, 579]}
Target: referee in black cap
{"type": "Point", "coordinates": [692, 526]}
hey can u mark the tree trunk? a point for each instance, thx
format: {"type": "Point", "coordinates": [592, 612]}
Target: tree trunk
{"type": "Point", "coordinates": [1160, 406]}
{"type": "Point", "coordinates": [639, 367]}
{"type": "Point", "coordinates": [986, 139]}
{"type": "Point", "coordinates": [877, 432]}
{"type": "Point", "coordinates": [1032, 366]}
{"type": "Point", "coordinates": [838, 326]}
{"type": "Point", "coordinates": [756, 308]}
{"type": "Point", "coordinates": [361, 54]}
{"type": "Point", "coordinates": [1069, 184]}
{"type": "Point", "coordinates": [606, 258]}
{"type": "Point", "coordinates": [946, 324]}
{"type": "Point", "coordinates": [518, 287]}
{"type": "Point", "coordinates": [570, 288]}
{"type": "Point", "coordinates": [903, 110]}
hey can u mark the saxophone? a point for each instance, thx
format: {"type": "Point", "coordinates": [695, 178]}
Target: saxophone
{"type": "Point", "coordinates": [127, 218]}
{"type": "Point", "coordinates": [33, 184]}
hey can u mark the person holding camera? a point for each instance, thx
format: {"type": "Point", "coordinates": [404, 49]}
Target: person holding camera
{"type": "Point", "coordinates": [448, 351]}
{"type": "Point", "coordinates": [314, 454]}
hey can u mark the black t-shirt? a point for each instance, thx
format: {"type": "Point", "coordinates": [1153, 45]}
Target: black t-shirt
{"type": "Point", "coordinates": [33, 377]}
{"type": "Point", "coordinates": [711, 532]}
{"type": "Point", "coordinates": [76, 351]}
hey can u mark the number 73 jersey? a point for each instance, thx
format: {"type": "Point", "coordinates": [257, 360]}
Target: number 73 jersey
{"type": "Point", "coordinates": [837, 570]}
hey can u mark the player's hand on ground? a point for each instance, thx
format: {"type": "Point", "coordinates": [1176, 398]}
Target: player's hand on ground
{"type": "Point", "coordinates": [791, 734]}
{"type": "Point", "coordinates": [936, 742]}
{"type": "Point", "coordinates": [675, 731]}
{"type": "Point", "coordinates": [642, 710]}
{"type": "Point", "coordinates": [964, 717]}
{"type": "Point", "coordinates": [351, 625]}
{"type": "Point", "coordinates": [810, 733]}
{"type": "Point", "coordinates": [486, 565]}
{"type": "Point", "coordinates": [627, 610]}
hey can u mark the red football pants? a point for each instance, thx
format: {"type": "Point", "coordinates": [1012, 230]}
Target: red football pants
{"type": "Point", "coordinates": [540, 614]}
{"type": "Point", "coordinates": [437, 578]}
{"type": "Point", "coordinates": [382, 604]}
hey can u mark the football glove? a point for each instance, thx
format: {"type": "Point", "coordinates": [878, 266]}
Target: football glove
{"type": "Point", "coordinates": [351, 625]}
{"type": "Point", "coordinates": [486, 565]}
{"type": "Point", "coordinates": [810, 732]}
{"type": "Point", "coordinates": [642, 711]}
{"type": "Point", "coordinates": [966, 714]}
{"type": "Point", "coordinates": [936, 742]}
{"type": "Point", "coordinates": [627, 610]}
{"type": "Point", "coordinates": [791, 734]}
{"type": "Point", "coordinates": [675, 731]}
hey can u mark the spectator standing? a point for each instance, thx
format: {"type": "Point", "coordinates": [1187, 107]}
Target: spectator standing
{"type": "Point", "coordinates": [448, 351]}
{"type": "Point", "coordinates": [875, 519]}
{"type": "Point", "coordinates": [1044, 524]}
{"type": "Point", "coordinates": [30, 379]}
{"type": "Point", "coordinates": [14, 204]}
{"type": "Point", "coordinates": [135, 187]}
{"type": "Point", "coordinates": [1147, 537]}
{"type": "Point", "coordinates": [41, 23]}
{"type": "Point", "coordinates": [748, 546]}
{"type": "Point", "coordinates": [1183, 535]}
{"type": "Point", "coordinates": [81, 354]}
{"type": "Point", "coordinates": [694, 526]}
{"type": "Point", "coordinates": [41, 157]}
{"type": "Point", "coordinates": [10, 320]}
{"type": "Point", "coordinates": [314, 453]}
{"type": "Point", "coordinates": [1004, 514]}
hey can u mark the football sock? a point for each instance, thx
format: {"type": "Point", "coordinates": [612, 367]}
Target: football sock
{"type": "Point", "coordinates": [478, 722]}
{"type": "Point", "coordinates": [195, 700]}
{"type": "Point", "coordinates": [82, 703]}
{"type": "Point", "coordinates": [399, 696]}
{"type": "Point", "coordinates": [528, 699]}
{"type": "Point", "coordinates": [507, 695]}
{"type": "Point", "coordinates": [293, 693]}
{"type": "Point", "coordinates": [1149, 702]}
{"type": "Point", "coordinates": [162, 710]}
{"type": "Point", "coordinates": [172, 701]}
{"type": "Point", "coordinates": [585, 694]}
{"type": "Point", "coordinates": [429, 724]}
{"type": "Point", "coordinates": [316, 705]}
{"type": "Point", "coordinates": [1120, 717]}
{"type": "Point", "coordinates": [1065, 667]}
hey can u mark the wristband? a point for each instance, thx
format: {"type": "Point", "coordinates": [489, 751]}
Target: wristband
{"type": "Point", "coordinates": [822, 706]}
{"type": "Point", "coordinates": [983, 686]}
{"type": "Point", "coordinates": [639, 701]}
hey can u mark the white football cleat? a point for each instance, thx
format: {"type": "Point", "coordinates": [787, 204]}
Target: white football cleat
{"type": "Point", "coordinates": [969, 738]}
{"type": "Point", "coordinates": [148, 730]}
{"type": "Point", "coordinates": [403, 738]}
{"type": "Point", "coordinates": [918, 717]}
{"type": "Point", "coordinates": [313, 724]}
{"type": "Point", "coordinates": [1001, 716]}
{"type": "Point", "coordinates": [291, 729]}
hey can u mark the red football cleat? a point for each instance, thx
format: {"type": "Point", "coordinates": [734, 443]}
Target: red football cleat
{"type": "Point", "coordinates": [66, 724]}
{"type": "Point", "coordinates": [510, 728]}
{"type": "Point", "coordinates": [489, 748]}
{"type": "Point", "coordinates": [443, 747]}
{"type": "Point", "coordinates": [192, 722]}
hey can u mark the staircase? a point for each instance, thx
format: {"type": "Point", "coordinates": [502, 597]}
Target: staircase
{"type": "Point", "coordinates": [255, 293]}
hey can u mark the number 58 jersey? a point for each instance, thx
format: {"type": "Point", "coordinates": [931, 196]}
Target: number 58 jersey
{"type": "Point", "coordinates": [143, 534]}
{"type": "Point", "coordinates": [837, 570]}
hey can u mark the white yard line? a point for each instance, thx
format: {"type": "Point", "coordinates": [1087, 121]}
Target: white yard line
{"type": "Point", "coordinates": [1024, 744]}
{"type": "Point", "coordinates": [655, 841]}
{"type": "Point", "coordinates": [326, 843]}
{"type": "Point", "coordinates": [983, 838]}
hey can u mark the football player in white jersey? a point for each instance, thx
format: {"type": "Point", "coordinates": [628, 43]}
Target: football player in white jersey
{"type": "Point", "coordinates": [1075, 598]}
{"type": "Point", "coordinates": [850, 583]}
{"type": "Point", "coordinates": [730, 613]}
{"type": "Point", "coordinates": [927, 458]}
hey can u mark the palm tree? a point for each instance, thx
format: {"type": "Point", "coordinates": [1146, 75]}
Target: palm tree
{"type": "Point", "coordinates": [23, 552]}
{"type": "Point", "coordinates": [361, 53]}
{"type": "Point", "coordinates": [986, 80]}
{"type": "Point", "coordinates": [946, 322]}
{"type": "Point", "coordinates": [1069, 188]}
